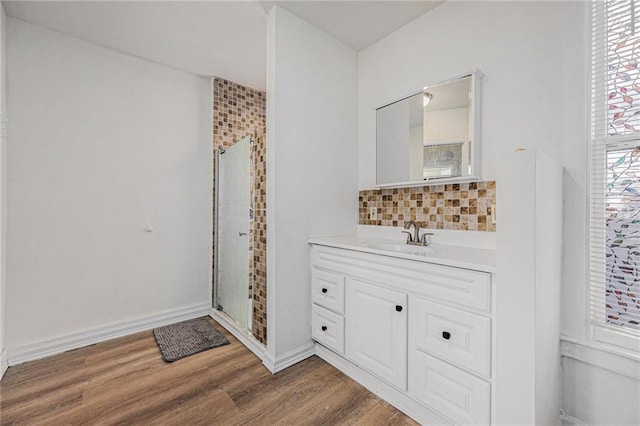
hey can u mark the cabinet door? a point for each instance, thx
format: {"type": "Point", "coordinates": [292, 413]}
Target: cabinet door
{"type": "Point", "coordinates": [377, 331]}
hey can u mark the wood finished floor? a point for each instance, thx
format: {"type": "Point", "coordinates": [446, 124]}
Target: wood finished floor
{"type": "Point", "coordinates": [124, 381]}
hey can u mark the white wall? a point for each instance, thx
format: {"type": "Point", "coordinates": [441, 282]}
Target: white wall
{"type": "Point", "coordinates": [517, 45]}
{"type": "Point", "coordinates": [3, 186]}
{"type": "Point", "coordinates": [102, 145]}
{"type": "Point", "coordinates": [312, 163]}
{"type": "Point", "coordinates": [600, 388]}
{"type": "Point", "coordinates": [535, 56]}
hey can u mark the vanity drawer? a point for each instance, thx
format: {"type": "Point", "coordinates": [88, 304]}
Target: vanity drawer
{"type": "Point", "coordinates": [455, 394]}
{"type": "Point", "coordinates": [328, 290]}
{"type": "Point", "coordinates": [461, 338]}
{"type": "Point", "coordinates": [327, 328]}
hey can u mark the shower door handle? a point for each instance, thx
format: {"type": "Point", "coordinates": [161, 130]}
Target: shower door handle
{"type": "Point", "coordinates": [240, 234]}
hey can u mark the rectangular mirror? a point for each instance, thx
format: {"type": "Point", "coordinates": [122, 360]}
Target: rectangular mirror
{"type": "Point", "coordinates": [431, 135]}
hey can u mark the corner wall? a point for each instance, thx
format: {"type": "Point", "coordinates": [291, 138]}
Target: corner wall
{"type": "Point", "coordinates": [3, 187]}
{"type": "Point", "coordinates": [312, 169]}
{"type": "Point", "coordinates": [102, 146]}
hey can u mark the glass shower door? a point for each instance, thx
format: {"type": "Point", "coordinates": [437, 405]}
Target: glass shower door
{"type": "Point", "coordinates": [232, 246]}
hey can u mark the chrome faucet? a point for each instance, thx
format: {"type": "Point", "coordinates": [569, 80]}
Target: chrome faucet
{"type": "Point", "coordinates": [415, 239]}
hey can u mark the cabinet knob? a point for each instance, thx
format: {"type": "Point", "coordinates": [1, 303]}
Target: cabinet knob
{"type": "Point", "coordinates": [324, 290]}
{"type": "Point", "coordinates": [446, 335]}
{"type": "Point", "coordinates": [324, 328]}
{"type": "Point", "coordinates": [398, 308]}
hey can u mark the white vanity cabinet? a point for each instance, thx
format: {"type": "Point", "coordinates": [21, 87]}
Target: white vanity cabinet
{"type": "Point", "coordinates": [478, 338]}
{"type": "Point", "coordinates": [418, 334]}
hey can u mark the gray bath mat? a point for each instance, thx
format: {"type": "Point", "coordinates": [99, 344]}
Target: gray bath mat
{"type": "Point", "coordinates": [177, 341]}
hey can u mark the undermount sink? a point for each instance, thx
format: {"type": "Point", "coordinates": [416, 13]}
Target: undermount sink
{"type": "Point", "coordinates": [397, 247]}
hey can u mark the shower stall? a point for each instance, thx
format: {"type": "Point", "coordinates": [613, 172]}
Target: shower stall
{"type": "Point", "coordinates": [233, 216]}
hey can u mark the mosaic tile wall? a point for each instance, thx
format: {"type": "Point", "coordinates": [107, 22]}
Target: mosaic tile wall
{"type": "Point", "coordinates": [240, 111]}
{"type": "Point", "coordinates": [259, 238]}
{"type": "Point", "coordinates": [460, 206]}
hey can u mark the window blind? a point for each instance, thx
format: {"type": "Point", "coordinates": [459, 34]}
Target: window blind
{"type": "Point", "coordinates": [614, 292]}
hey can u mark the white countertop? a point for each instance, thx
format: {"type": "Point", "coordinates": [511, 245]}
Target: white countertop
{"type": "Point", "coordinates": [478, 259]}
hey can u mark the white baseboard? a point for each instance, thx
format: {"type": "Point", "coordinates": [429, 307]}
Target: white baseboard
{"type": "Point", "coordinates": [245, 338]}
{"type": "Point", "coordinates": [3, 363]}
{"type": "Point", "coordinates": [601, 356]}
{"type": "Point", "coordinates": [386, 392]}
{"type": "Point", "coordinates": [289, 358]}
{"type": "Point", "coordinates": [68, 342]}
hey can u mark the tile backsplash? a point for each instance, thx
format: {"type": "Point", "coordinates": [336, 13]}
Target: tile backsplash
{"type": "Point", "coordinates": [458, 206]}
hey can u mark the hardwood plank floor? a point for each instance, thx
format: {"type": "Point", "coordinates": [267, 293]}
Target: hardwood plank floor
{"type": "Point", "coordinates": [125, 382]}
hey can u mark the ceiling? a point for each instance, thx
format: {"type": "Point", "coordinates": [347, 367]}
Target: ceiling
{"type": "Point", "coordinates": [358, 24]}
{"type": "Point", "coordinates": [212, 38]}
{"type": "Point", "coordinates": [201, 37]}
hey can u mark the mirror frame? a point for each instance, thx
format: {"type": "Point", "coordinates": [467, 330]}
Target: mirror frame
{"type": "Point", "coordinates": [474, 134]}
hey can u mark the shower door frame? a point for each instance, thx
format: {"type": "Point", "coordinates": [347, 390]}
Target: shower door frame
{"type": "Point", "coordinates": [216, 257]}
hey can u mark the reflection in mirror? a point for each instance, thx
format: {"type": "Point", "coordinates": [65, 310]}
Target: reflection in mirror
{"type": "Point", "coordinates": [442, 161]}
{"type": "Point", "coordinates": [428, 135]}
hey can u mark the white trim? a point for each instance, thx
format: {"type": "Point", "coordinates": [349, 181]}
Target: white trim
{"type": "Point", "coordinates": [271, 172]}
{"type": "Point", "coordinates": [401, 401]}
{"type": "Point", "coordinates": [429, 182]}
{"type": "Point", "coordinates": [612, 359]}
{"type": "Point", "coordinates": [586, 302]}
{"type": "Point", "coordinates": [243, 337]}
{"type": "Point", "coordinates": [213, 232]}
{"type": "Point", "coordinates": [56, 345]}
{"type": "Point", "coordinates": [619, 338]}
{"type": "Point", "coordinates": [3, 363]}
{"type": "Point", "coordinates": [567, 420]}
{"type": "Point", "coordinates": [287, 359]}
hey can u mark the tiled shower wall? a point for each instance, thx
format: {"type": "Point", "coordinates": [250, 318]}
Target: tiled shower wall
{"type": "Point", "coordinates": [240, 111]}
{"type": "Point", "coordinates": [460, 206]}
{"type": "Point", "coordinates": [259, 238]}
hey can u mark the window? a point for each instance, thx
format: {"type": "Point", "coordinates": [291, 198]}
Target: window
{"type": "Point", "coordinates": [615, 173]}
